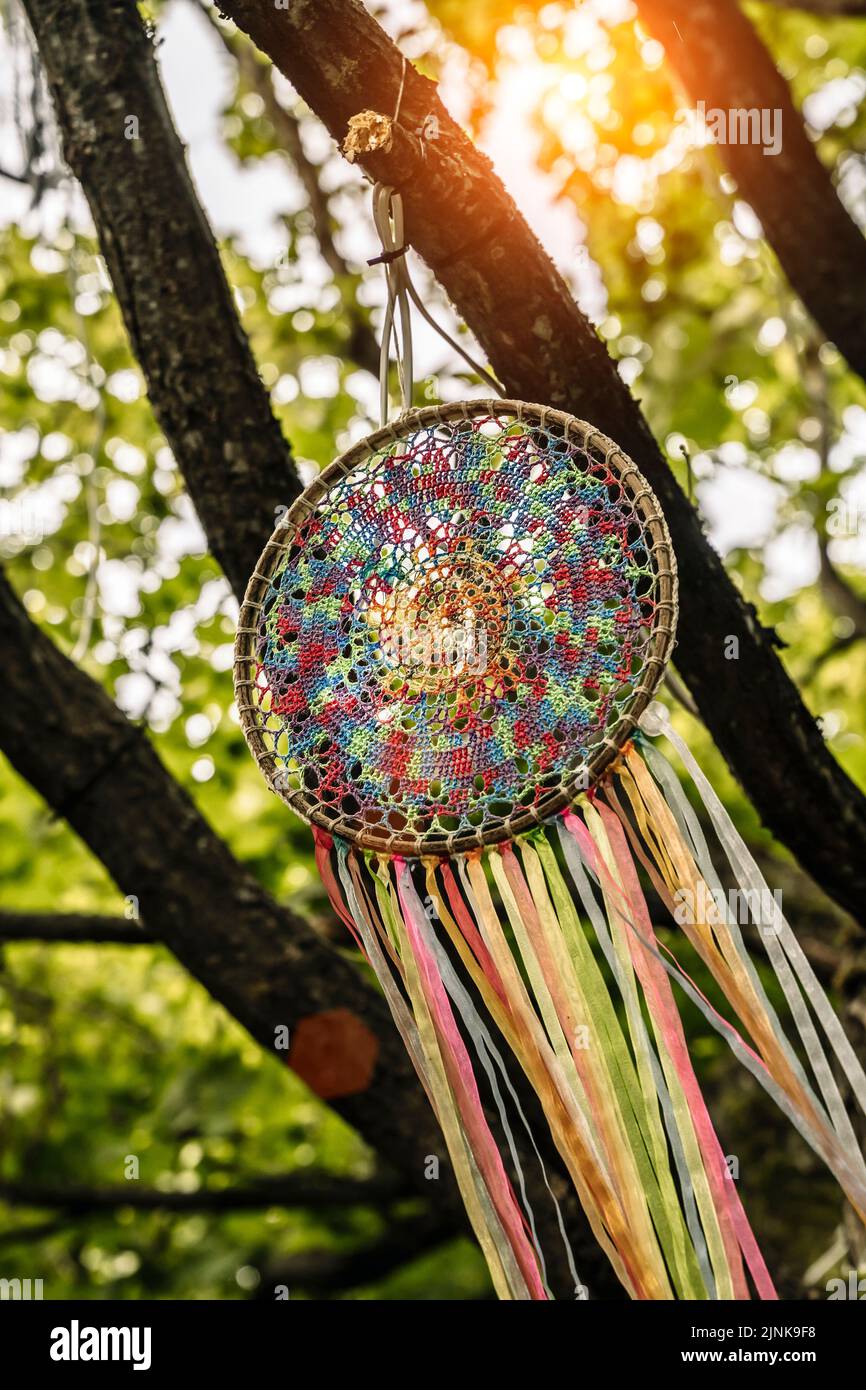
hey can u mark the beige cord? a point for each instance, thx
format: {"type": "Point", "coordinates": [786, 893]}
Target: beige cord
{"type": "Point", "coordinates": [388, 217]}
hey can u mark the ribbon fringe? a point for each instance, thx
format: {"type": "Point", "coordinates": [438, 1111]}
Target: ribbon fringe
{"type": "Point", "coordinates": [509, 973]}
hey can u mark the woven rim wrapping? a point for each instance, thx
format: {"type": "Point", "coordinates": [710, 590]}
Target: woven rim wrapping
{"type": "Point", "coordinates": [654, 657]}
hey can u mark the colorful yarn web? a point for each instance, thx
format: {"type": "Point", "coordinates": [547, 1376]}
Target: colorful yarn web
{"type": "Point", "coordinates": [451, 645]}
{"type": "Point", "coordinates": [457, 628]}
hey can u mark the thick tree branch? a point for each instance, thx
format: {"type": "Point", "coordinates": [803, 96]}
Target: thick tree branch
{"type": "Point", "coordinates": [464, 224]}
{"type": "Point", "coordinates": [256, 957]}
{"type": "Point", "coordinates": [206, 392]}
{"type": "Point", "coordinates": [722, 62]}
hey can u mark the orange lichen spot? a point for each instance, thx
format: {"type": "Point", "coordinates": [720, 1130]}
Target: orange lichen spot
{"type": "Point", "coordinates": [334, 1053]}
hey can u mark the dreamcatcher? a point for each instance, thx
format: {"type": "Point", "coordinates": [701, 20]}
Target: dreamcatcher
{"type": "Point", "coordinates": [446, 662]}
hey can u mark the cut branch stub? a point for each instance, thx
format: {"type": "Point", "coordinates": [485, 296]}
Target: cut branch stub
{"type": "Point", "coordinates": [368, 132]}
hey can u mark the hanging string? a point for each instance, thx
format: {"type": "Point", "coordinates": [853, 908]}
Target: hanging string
{"type": "Point", "coordinates": [403, 68]}
{"type": "Point", "coordinates": [402, 294]}
{"type": "Point", "coordinates": [388, 217]}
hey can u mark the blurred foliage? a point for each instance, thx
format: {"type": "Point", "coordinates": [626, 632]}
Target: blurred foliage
{"type": "Point", "coordinates": [107, 1051]}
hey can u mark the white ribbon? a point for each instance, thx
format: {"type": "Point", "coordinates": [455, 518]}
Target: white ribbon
{"type": "Point", "coordinates": [779, 933]}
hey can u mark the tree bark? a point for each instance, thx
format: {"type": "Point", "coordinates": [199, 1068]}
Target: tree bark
{"type": "Point", "coordinates": [253, 955]}
{"type": "Point", "coordinates": [721, 61]}
{"type": "Point", "coordinates": [461, 220]}
{"type": "Point", "coordinates": [204, 386]}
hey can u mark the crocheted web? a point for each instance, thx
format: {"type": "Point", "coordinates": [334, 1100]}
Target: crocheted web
{"type": "Point", "coordinates": [448, 637]}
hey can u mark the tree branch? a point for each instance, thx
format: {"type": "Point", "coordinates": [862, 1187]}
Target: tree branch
{"type": "Point", "coordinates": [310, 1190]}
{"type": "Point", "coordinates": [73, 927]}
{"type": "Point", "coordinates": [335, 1270]}
{"type": "Point", "coordinates": [42, 1230]}
{"type": "Point", "coordinates": [838, 592]}
{"type": "Point", "coordinates": [722, 62]}
{"type": "Point", "coordinates": [203, 383]}
{"type": "Point", "coordinates": [461, 220]}
{"type": "Point", "coordinates": [98, 929]}
{"type": "Point", "coordinates": [837, 647]}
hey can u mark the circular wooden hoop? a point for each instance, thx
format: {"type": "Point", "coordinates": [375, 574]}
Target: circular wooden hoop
{"type": "Point", "coordinates": [657, 654]}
